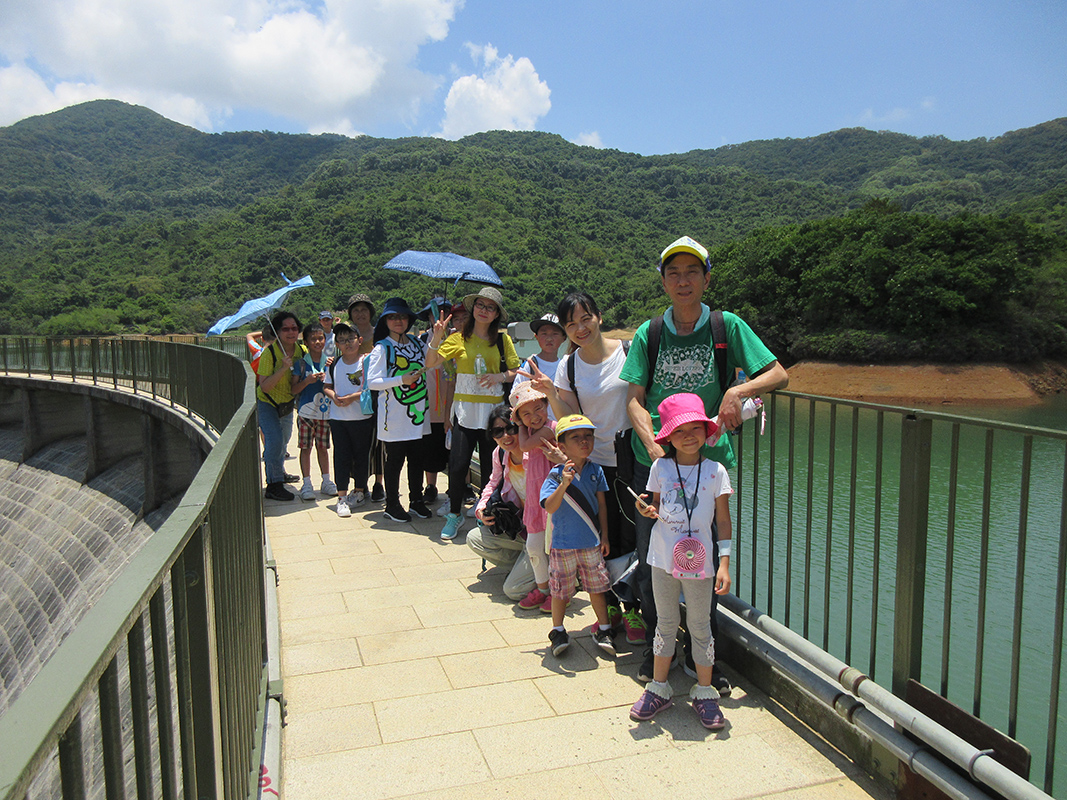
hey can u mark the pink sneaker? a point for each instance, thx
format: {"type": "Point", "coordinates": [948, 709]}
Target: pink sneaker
{"type": "Point", "coordinates": [534, 600]}
{"type": "Point", "coordinates": [546, 606]}
{"type": "Point", "coordinates": [636, 632]}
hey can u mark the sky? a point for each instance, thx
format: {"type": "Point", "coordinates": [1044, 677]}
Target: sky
{"type": "Point", "coordinates": [637, 76]}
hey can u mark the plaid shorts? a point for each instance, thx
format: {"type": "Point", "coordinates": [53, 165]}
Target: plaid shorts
{"type": "Point", "coordinates": [312, 433]}
{"type": "Point", "coordinates": [565, 565]}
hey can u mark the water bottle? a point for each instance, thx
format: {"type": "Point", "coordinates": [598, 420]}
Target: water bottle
{"type": "Point", "coordinates": [741, 378]}
{"type": "Point", "coordinates": [479, 365]}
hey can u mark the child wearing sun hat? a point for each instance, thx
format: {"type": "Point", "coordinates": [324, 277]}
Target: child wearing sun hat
{"type": "Point", "coordinates": [529, 410]}
{"type": "Point", "coordinates": [689, 550]}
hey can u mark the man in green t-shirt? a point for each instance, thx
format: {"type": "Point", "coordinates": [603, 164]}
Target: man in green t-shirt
{"type": "Point", "coordinates": [685, 363]}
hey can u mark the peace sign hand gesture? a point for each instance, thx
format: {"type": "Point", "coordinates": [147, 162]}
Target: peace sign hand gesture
{"type": "Point", "coordinates": [538, 379]}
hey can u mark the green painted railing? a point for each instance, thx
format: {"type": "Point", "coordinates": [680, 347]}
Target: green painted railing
{"type": "Point", "coordinates": [915, 544]}
{"type": "Point", "coordinates": [183, 626]}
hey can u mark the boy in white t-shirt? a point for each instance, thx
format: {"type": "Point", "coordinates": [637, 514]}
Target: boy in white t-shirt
{"type": "Point", "coordinates": [350, 426]}
{"type": "Point", "coordinates": [550, 337]}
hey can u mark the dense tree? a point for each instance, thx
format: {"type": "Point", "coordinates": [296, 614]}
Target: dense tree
{"type": "Point", "coordinates": [109, 206]}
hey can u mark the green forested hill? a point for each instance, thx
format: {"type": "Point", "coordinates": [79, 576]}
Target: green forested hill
{"type": "Point", "coordinates": [114, 218]}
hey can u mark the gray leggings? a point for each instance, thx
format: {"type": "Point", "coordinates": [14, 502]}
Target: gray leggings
{"type": "Point", "coordinates": [698, 593]}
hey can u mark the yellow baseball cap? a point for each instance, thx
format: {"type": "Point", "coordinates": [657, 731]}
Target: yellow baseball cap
{"type": "Point", "coordinates": [573, 422]}
{"type": "Point", "coordinates": [685, 245]}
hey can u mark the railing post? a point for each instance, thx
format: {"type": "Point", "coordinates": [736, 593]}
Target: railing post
{"type": "Point", "coordinates": [913, 521]}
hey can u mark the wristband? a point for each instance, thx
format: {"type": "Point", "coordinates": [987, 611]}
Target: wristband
{"type": "Point", "coordinates": [432, 346]}
{"type": "Point", "coordinates": [724, 547]}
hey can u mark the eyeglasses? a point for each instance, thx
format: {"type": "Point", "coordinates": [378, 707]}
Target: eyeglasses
{"type": "Point", "coordinates": [484, 306]}
{"type": "Point", "coordinates": [345, 339]}
{"type": "Point", "coordinates": [289, 328]}
{"type": "Point", "coordinates": [506, 430]}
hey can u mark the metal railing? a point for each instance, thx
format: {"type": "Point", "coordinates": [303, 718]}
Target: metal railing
{"type": "Point", "coordinates": [915, 544]}
{"type": "Point", "coordinates": [164, 677]}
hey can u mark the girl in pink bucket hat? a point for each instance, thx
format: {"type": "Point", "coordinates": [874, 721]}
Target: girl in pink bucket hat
{"type": "Point", "coordinates": [689, 550]}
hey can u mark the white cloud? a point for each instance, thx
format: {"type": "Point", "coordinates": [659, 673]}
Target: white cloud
{"type": "Point", "coordinates": [589, 139]}
{"type": "Point", "coordinates": [26, 94]}
{"type": "Point", "coordinates": [327, 63]}
{"type": "Point", "coordinates": [508, 95]}
{"type": "Point", "coordinates": [870, 119]}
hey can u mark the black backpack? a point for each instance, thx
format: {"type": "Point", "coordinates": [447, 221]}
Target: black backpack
{"type": "Point", "coordinates": [655, 335]}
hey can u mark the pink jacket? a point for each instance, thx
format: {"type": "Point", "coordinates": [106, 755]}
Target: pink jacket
{"type": "Point", "coordinates": [500, 474]}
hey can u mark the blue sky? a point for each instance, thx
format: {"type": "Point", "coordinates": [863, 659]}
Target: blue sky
{"type": "Point", "coordinates": [636, 76]}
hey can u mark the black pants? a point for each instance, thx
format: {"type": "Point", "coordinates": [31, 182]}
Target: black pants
{"type": "Point", "coordinates": [621, 534]}
{"type": "Point", "coordinates": [395, 455]}
{"type": "Point", "coordinates": [351, 443]}
{"type": "Point", "coordinates": [459, 461]}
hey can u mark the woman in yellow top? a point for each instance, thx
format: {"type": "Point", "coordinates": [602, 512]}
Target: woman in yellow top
{"type": "Point", "coordinates": [485, 360]}
{"type": "Point", "coordinates": [274, 398]}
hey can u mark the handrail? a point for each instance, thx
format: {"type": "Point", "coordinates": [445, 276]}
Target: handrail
{"type": "Point", "coordinates": [209, 617]}
{"type": "Point", "coordinates": [902, 529]}
{"type": "Point", "coordinates": [978, 764]}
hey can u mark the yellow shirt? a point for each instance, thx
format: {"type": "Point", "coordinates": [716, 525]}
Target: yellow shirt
{"type": "Point", "coordinates": [269, 362]}
{"type": "Point", "coordinates": [472, 402]}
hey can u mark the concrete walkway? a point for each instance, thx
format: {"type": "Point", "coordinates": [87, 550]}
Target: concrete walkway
{"type": "Point", "coordinates": [408, 673]}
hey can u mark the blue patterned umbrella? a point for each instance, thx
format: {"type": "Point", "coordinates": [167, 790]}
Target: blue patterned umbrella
{"type": "Point", "coordinates": [444, 265]}
{"type": "Point", "coordinates": [258, 307]}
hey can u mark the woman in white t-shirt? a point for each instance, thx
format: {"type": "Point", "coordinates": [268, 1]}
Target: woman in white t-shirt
{"type": "Point", "coordinates": [598, 393]}
{"type": "Point", "coordinates": [396, 371]}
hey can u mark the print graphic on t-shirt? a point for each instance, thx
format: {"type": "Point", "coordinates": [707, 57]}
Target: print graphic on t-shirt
{"type": "Point", "coordinates": [684, 369]}
{"type": "Point", "coordinates": [413, 397]}
{"type": "Point", "coordinates": [674, 501]}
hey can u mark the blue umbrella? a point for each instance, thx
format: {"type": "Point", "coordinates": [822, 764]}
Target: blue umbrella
{"type": "Point", "coordinates": [258, 307]}
{"type": "Point", "coordinates": [444, 265]}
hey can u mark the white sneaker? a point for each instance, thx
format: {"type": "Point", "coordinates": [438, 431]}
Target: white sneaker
{"type": "Point", "coordinates": [342, 507]}
{"type": "Point", "coordinates": [307, 492]}
{"type": "Point", "coordinates": [357, 498]}
{"type": "Point", "coordinates": [442, 510]}
{"type": "Point", "coordinates": [471, 511]}
{"type": "Point", "coordinates": [328, 488]}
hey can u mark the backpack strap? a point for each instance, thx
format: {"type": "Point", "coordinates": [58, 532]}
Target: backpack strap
{"type": "Point", "coordinates": [655, 334]}
{"type": "Point", "coordinates": [570, 379]}
{"type": "Point", "coordinates": [718, 344]}
{"type": "Point", "coordinates": [580, 504]}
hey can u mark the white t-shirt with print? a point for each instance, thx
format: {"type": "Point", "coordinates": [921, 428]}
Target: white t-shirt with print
{"type": "Point", "coordinates": [345, 379]}
{"type": "Point", "coordinates": [403, 412]}
{"type": "Point", "coordinates": [673, 523]}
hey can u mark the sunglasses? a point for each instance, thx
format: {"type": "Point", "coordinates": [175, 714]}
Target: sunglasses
{"type": "Point", "coordinates": [506, 430]}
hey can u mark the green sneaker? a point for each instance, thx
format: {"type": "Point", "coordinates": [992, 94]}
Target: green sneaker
{"type": "Point", "coordinates": [451, 529]}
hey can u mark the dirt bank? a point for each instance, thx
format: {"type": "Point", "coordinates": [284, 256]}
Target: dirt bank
{"type": "Point", "coordinates": [930, 384]}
